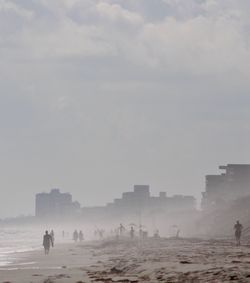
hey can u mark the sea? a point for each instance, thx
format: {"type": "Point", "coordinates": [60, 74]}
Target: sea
{"type": "Point", "coordinates": [18, 240]}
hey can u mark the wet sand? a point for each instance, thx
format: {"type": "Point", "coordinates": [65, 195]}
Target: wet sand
{"type": "Point", "coordinates": [162, 260]}
{"type": "Point", "coordinates": [65, 263]}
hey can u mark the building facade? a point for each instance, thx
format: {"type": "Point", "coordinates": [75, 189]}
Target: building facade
{"type": "Point", "coordinates": [55, 204]}
{"type": "Point", "coordinates": [222, 189]}
{"type": "Point", "coordinates": [134, 203]}
{"type": "Point", "coordinates": [139, 201]}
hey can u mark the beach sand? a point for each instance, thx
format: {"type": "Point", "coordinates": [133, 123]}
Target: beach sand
{"type": "Point", "coordinates": [161, 260]}
{"type": "Point", "coordinates": [65, 263]}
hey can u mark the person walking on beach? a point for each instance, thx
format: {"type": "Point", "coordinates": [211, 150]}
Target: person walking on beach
{"type": "Point", "coordinates": [121, 230]}
{"type": "Point", "coordinates": [75, 236]}
{"type": "Point", "coordinates": [52, 234]}
{"type": "Point", "coordinates": [47, 242]}
{"type": "Point", "coordinates": [81, 238]}
{"type": "Point", "coordinates": [238, 227]}
{"type": "Point", "coordinates": [132, 232]}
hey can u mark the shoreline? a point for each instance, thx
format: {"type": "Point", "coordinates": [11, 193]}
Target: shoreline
{"type": "Point", "coordinates": [65, 261]}
{"type": "Point", "coordinates": [16, 258]}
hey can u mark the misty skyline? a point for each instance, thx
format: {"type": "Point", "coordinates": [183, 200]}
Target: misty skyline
{"type": "Point", "coordinates": [99, 95]}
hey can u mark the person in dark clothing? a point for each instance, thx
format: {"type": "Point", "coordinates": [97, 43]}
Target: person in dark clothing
{"type": "Point", "coordinates": [132, 232]}
{"type": "Point", "coordinates": [81, 238]}
{"type": "Point", "coordinates": [52, 237]}
{"type": "Point", "coordinates": [238, 230]}
{"type": "Point", "coordinates": [75, 236]}
{"type": "Point", "coordinates": [47, 242]}
{"type": "Point", "coordinates": [121, 230]}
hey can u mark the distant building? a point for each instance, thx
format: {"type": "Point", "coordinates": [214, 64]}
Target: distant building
{"type": "Point", "coordinates": [135, 203]}
{"type": "Point", "coordinates": [55, 204]}
{"type": "Point", "coordinates": [226, 187]}
{"type": "Point", "coordinates": [140, 201]}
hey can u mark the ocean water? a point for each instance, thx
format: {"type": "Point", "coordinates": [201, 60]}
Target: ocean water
{"type": "Point", "coordinates": [16, 240]}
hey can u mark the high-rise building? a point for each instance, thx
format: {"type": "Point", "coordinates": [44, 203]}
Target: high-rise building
{"type": "Point", "coordinates": [226, 187]}
{"type": "Point", "coordinates": [140, 201]}
{"type": "Point", "coordinates": [55, 204]}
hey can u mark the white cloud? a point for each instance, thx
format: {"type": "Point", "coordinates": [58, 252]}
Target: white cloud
{"type": "Point", "coordinates": [209, 36]}
{"type": "Point", "coordinates": [8, 7]}
{"type": "Point", "coordinates": [116, 14]}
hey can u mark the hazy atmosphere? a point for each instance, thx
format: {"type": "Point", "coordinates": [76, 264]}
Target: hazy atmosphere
{"type": "Point", "coordinates": [97, 96]}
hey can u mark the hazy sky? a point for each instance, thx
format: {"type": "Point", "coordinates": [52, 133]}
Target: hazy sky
{"type": "Point", "coordinates": [99, 95]}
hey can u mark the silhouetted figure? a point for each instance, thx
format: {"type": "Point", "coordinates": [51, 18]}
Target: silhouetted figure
{"type": "Point", "coordinates": [63, 234]}
{"type": "Point", "coordinates": [81, 238]}
{"type": "Point", "coordinates": [47, 241]}
{"type": "Point", "coordinates": [52, 234]}
{"type": "Point", "coordinates": [75, 236]}
{"type": "Point", "coordinates": [238, 230]}
{"type": "Point", "coordinates": [121, 229]}
{"type": "Point", "coordinates": [132, 232]}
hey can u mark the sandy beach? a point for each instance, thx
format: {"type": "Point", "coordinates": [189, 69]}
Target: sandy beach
{"type": "Point", "coordinates": [162, 260]}
{"type": "Point", "coordinates": [66, 263]}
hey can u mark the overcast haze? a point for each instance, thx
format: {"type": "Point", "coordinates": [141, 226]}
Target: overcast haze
{"type": "Point", "coordinates": [97, 96]}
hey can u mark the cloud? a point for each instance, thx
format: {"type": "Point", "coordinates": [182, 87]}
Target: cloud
{"type": "Point", "coordinates": [10, 8]}
{"type": "Point", "coordinates": [196, 37]}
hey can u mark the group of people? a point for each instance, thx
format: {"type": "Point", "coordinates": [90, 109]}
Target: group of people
{"type": "Point", "coordinates": [142, 233]}
{"type": "Point", "coordinates": [121, 232]}
{"type": "Point", "coordinates": [49, 238]}
{"type": "Point", "coordinates": [78, 236]}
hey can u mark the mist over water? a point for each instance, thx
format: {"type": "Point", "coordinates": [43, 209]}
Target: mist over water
{"type": "Point", "coordinates": [17, 240]}
{"type": "Point", "coordinates": [124, 128]}
{"type": "Point", "coordinates": [99, 95]}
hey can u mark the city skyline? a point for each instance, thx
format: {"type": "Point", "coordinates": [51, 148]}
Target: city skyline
{"type": "Point", "coordinates": [58, 205]}
{"type": "Point", "coordinates": [98, 95]}
{"type": "Point", "coordinates": [219, 191]}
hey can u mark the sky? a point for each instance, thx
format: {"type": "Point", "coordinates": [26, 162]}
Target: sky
{"type": "Point", "coordinates": [99, 95]}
